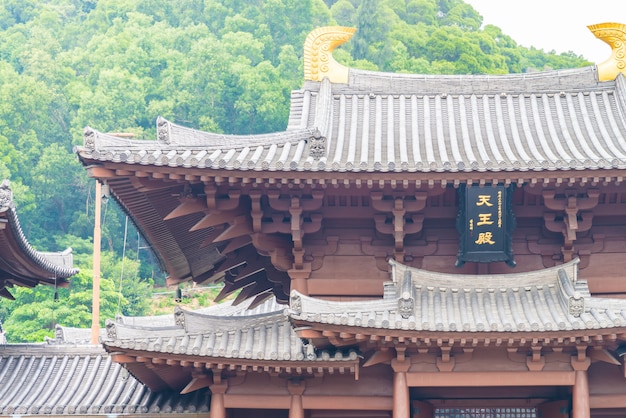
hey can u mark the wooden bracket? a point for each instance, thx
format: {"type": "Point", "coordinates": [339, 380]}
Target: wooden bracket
{"type": "Point", "coordinates": [402, 212]}
{"type": "Point", "coordinates": [535, 362]}
{"type": "Point", "coordinates": [575, 211]}
{"type": "Point", "coordinates": [446, 362]}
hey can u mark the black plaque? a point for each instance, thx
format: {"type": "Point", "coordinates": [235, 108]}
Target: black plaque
{"type": "Point", "coordinates": [485, 223]}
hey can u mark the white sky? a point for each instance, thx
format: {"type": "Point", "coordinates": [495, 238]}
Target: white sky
{"type": "Point", "coordinates": [559, 25]}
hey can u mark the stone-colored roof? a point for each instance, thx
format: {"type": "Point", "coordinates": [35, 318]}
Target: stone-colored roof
{"type": "Point", "coordinates": [72, 335]}
{"type": "Point", "coordinates": [382, 122]}
{"type": "Point", "coordinates": [225, 309]}
{"type": "Point", "coordinates": [20, 263]}
{"type": "Point", "coordinates": [44, 379]}
{"type": "Point", "coordinates": [548, 300]}
{"type": "Point", "coordinates": [263, 336]}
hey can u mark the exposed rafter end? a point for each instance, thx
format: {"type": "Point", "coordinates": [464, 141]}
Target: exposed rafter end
{"type": "Point", "coordinates": [196, 383]}
{"type": "Point", "coordinates": [188, 205]}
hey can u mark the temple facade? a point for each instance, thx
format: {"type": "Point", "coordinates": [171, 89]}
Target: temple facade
{"type": "Point", "coordinates": [410, 246]}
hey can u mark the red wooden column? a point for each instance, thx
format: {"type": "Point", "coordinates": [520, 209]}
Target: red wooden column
{"type": "Point", "coordinates": [296, 389]}
{"type": "Point", "coordinates": [401, 396]}
{"type": "Point", "coordinates": [580, 393]}
{"type": "Point", "coordinates": [218, 389]}
{"type": "Point", "coordinates": [580, 396]}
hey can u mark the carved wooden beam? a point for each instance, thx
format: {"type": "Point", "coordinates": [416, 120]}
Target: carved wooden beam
{"type": "Point", "coordinates": [256, 211]}
{"type": "Point", "coordinates": [402, 211]}
{"type": "Point", "coordinates": [187, 206]}
{"type": "Point", "coordinates": [251, 290]}
{"type": "Point", "coordinates": [99, 172]}
{"type": "Point", "coordinates": [576, 214]}
{"type": "Point", "coordinates": [308, 203]}
{"type": "Point", "coordinates": [410, 204]}
{"type": "Point", "coordinates": [232, 286]}
{"type": "Point", "coordinates": [197, 382]}
{"type": "Point", "coordinates": [242, 225]}
{"type": "Point", "coordinates": [216, 218]}
{"type": "Point", "coordinates": [237, 258]}
{"type": "Point", "coordinates": [260, 298]}
{"type": "Point", "coordinates": [278, 248]}
{"type": "Point", "coordinates": [385, 355]}
{"type": "Point", "coordinates": [236, 243]}
{"type": "Point", "coordinates": [224, 202]}
{"type": "Point", "coordinates": [211, 235]}
{"type": "Point", "coordinates": [143, 184]}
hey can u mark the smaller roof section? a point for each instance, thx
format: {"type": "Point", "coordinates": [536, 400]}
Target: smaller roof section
{"type": "Point", "coordinates": [259, 334]}
{"type": "Point", "coordinates": [20, 263]}
{"type": "Point", "coordinates": [545, 301]}
{"type": "Point", "coordinates": [80, 380]}
{"type": "Point", "coordinates": [220, 338]}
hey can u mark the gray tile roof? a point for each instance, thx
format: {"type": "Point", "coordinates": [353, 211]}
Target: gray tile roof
{"type": "Point", "coordinates": [225, 309]}
{"type": "Point", "coordinates": [44, 379]}
{"type": "Point", "coordinates": [263, 336]}
{"type": "Point", "coordinates": [19, 261]}
{"type": "Point", "coordinates": [554, 120]}
{"type": "Point", "coordinates": [552, 299]}
{"type": "Point", "coordinates": [72, 335]}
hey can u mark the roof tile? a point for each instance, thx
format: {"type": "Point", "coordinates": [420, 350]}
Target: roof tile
{"type": "Point", "coordinates": [558, 120]}
{"type": "Point", "coordinates": [552, 299]}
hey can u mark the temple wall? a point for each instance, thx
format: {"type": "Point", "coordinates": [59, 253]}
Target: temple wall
{"type": "Point", "coordinates": [354, 246]}
{"type": "Point", "coordinates": [607, 379]}
{"type": "Point", "coordinates": [375, 381]}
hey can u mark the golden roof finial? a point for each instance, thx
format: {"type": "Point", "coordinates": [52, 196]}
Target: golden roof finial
{"type": "Point", "coordinates": [318, 54]}
{"type": "Point", "coordinates": [613, 34]}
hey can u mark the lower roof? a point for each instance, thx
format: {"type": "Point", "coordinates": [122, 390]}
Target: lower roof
{"type": "Point", "coordinates": [49, 379]}
{"type": "Point", "coordinates": [546, 301]}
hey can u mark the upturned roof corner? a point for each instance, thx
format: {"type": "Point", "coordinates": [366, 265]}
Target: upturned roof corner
{"type": "Point", "coordinates": [614, 34]}
{"type": "Point", "coordinates": [318, 54]}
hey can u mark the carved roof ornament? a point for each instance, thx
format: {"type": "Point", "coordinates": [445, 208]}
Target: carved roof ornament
{"type": "Point", "coordinates": [111, 330]}
{"type": "Point", "coordinates": [613, 34]}
{"type": "Point", "coordinates": [318, 59]}
{"type": "Point", "coordinates": [317, 145]}
{"type": "Point", "coordinates": [163, 130]}
{"type": "Point", "coordinates": [6, 195]}
{"type": "Point", "coordinates": [89, 139]}
{"type": "Point", "coordinates": [406, 302]}
{"type": "Point", "coordinates": [179, 317]}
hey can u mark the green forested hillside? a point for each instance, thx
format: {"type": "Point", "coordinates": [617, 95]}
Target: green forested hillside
{"type": "Point", "coordinates": [217, 65]}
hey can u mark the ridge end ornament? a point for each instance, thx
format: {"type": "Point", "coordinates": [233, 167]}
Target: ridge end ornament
{"type": "Point", "coordinates": [179, 317]}
{"type": "Point", "coordinates": [317, 145]}
{"type": "Point", "coordinates": [614, 34]}
{"type": "Point", "coordinates": [406, 302]}
{"type": "Point", "coordinates": [6, 195]}
{"type": "Point", "coordinates": [89, 139]}
{"type": "Point", "coordinates": [111, 330]}
{"type": "Point", "coordinates": [318, 54]}
{"type": "Point", "coordinates": [163, 130]}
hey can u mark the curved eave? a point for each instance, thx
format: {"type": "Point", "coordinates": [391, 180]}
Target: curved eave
{"type": "Point", "coordinates": [542, 278]}
{"type": "Point", "coordinates": [178, 146]}
{"type": "Point", "coordinates": [262, 339]}
{"type": "Point", "coordinates": [339, 334]}
{"type": "Point", "coordinates": [180, 251]}
{"type": "Point", "coordinates": [20, 263]}
{"type": "Point", "coordinates": [555, 121]}
{"type": "Point", "coordinates": [547, 303]}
